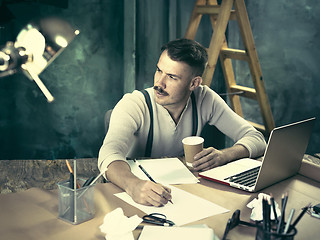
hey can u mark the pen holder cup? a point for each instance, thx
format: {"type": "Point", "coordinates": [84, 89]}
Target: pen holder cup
{"type": "Point", "coordinates": [273, 235]}
{"type": "Point", "coordinates": [76, 206]}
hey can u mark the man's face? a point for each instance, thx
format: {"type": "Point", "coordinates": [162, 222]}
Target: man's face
{"type": "Point", "coordinates": [172, 81]}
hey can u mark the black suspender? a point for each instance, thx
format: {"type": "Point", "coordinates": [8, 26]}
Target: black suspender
{"type": "Point", "coordinates": [148, 150]}
{"type": "Point", "coordinates": [150, 134]}
{"type": "Point", "coordinates": [194, 115]}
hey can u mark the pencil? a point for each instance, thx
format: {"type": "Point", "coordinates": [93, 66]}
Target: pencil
{"type": "Point", "coordinates": [147, 174]}
{"type": "Point", "coordinates": [286, 228]}
{"type": "Point", "coordinates": [299, 217]}
{"type": "Point", "coordinates": [71, 171]}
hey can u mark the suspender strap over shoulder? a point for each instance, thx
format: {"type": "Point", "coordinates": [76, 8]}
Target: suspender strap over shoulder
{"type": "Point", "coordinates": [194, 115]}
{"type": "Point", "coordinates": [150, 134]}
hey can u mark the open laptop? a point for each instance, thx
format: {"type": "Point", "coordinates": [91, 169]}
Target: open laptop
{"type": "Point", "coordinates": [282, 159]}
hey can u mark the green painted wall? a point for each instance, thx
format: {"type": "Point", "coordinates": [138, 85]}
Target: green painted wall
{"type": "Point", "coordinates": [86, 80]}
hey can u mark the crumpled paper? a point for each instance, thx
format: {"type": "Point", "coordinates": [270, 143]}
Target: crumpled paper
{"type": "Point", "coordinates": [256, 206]}
{"type": "Point", "coordinates": [117, 226]}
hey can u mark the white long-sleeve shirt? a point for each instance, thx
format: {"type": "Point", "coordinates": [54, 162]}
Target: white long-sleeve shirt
{"type": "Point", "coordinates": [130, 122]}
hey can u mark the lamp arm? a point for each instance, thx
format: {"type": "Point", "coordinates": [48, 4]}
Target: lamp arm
{"type": "Point", "coordinates": [38, 81]}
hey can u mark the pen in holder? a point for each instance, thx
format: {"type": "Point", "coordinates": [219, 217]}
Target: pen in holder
{"type": "Point", "coordinates": [278, 229]}
{"type": "Point", "coordinates": [272, 234]}
{"type": "Point", "coordinates": [76, 204]}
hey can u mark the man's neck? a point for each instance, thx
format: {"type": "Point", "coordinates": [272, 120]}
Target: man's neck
{"type": "Point", "coordinates": [175, 115]}
{"type": "Point", "coordinates": [176, 111]}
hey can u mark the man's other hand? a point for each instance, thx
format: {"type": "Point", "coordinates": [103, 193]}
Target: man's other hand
{"type": "Point", "coordinates": [208, 158]}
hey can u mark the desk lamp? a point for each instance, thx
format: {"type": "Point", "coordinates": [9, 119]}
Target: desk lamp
{"type": "Point", "coordinates": [36, 46]}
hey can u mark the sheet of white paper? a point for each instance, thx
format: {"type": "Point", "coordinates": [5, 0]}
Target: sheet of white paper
{"type": "Point", "coordinates": [175, 233]}
{"type": "Point", "coordinates": [164, 170]}
{"type": "Point", "coordinates": [186, 207]}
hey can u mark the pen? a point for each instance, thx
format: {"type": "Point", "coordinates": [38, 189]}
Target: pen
{"type": "Point", "coordinates": [71, 181]}
{"type": "Point", "coordinates": [268, 215]}
{"type": "Point", "coordinates": [274, 208]}
{"type": "Point", "coordinates": [289, 221]}
{"type": "Point", "coordinates": [88, 182]}
{"type": "Point", "coordinates": [264, 214]}
{"type": "Point", "coordinates": [100, 174]}
{"type": "Point", "coordinates": [299, 217]}
{"type": "Point", "coordinates": [71, 174]}
{"type": "Point", "coordinates": [147, 174]}
{"type": "Point", "coordinates": [284, 203]}
{"type": "Point", "coordinates": [84, 191]}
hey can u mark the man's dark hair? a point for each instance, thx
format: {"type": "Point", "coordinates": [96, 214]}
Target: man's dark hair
{"type": "Point", "coordinates": [189, 52]}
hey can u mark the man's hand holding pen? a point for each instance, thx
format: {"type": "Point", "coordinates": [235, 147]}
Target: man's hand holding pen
{"type": "Point", "coordinates": [150, 193]}
{"type": "Point", "coordinates": [146, 192]}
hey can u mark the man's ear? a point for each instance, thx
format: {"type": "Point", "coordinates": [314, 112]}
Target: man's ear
{"type": "Point", "coordinates": [195, 82]}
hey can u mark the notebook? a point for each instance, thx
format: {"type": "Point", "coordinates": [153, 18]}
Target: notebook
{"type": "Point", "coordinates": [282, 159]}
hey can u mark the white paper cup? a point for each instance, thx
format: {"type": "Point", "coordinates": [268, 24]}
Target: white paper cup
{"type": "Point", "coordinates": [192, 145]}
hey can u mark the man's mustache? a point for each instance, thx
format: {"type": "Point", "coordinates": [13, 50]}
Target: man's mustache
{"type": "Point", "coordinates": [159, 89]}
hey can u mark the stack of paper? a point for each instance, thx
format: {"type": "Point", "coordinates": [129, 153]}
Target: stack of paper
{"type": "Point", "coordinates": [175, 233]}
{"type": "Point", "coordinates": [186, 207]}
{"type": "Point", "coordinates": [164, 170]}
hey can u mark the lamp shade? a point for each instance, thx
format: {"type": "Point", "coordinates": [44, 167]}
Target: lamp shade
{"type": "Point", "coordinates": [36, 46]}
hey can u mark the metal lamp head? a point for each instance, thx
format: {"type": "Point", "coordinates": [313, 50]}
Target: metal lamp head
{"type": "Point", "coordinates": [36, 46]}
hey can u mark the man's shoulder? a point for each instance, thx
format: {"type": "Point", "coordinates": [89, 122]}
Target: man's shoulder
{"type": "Point", "coordinates": [133, 101]}
{"type": "Point", "coordinates": [135, 96]}
{"type": "Point", "coordinates": [204, 91]}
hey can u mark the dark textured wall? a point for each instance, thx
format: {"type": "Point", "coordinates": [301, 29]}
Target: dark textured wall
{"type": "Point", "coordinates": [87, 79]}
{"type": "Point", "coordinates": [286, 35]}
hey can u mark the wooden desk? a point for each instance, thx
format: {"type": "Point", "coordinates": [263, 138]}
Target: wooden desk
{"type": "Point", "coordinates": [32, 214]}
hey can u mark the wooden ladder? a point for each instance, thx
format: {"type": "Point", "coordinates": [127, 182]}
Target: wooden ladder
{"type": "Point", "coordinates": [219, 17]}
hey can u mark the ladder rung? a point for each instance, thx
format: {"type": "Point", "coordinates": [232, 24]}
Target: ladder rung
{"type": "Point", "coordinates": [219, 17]}
{"type": "Point", "coordinates": [258, 126]}
{"type": "Point", "coordinates": [235, 54]}
{"type": "Point", "coordinates": [214, 10]}
{"type": "Point", "coordinates": [247, 92]}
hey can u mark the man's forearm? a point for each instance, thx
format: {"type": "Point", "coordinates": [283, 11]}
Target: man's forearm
{"type": "Point", "coordinates": [120, 174]}
{"type": "Point", "coordinates": [235, 152]}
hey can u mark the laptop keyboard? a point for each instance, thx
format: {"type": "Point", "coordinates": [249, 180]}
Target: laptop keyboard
{"type": "Point", "coordinates": [247, 178]}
